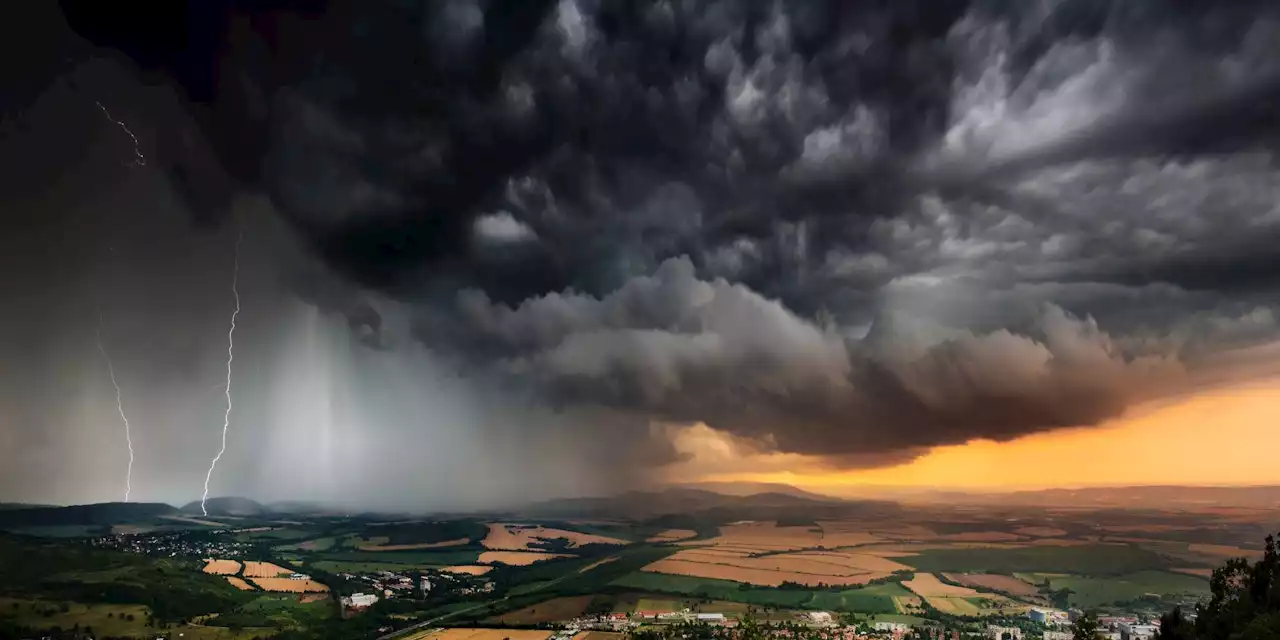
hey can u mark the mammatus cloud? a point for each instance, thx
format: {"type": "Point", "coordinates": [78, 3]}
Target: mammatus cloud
{"type": "Point", "coordinates": [836, 229]}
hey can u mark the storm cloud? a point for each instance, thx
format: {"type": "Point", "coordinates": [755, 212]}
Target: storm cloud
{"type": "Point", "coordinates": [846, 230]}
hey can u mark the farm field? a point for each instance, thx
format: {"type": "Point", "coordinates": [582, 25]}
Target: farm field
{"type": "Point", "coordinates": [518, 537]}
{"type": "Point", "coordinates": [517, 558]}
{"type": "Point", "coordinates": [222, 567]}
{"type": "Point", "coordinates": [1093, 592]}
{"type": "Point", "coordinates": [994, 582]}
{"type": "Point", "coordinates": [758, 576]}
{"type": "Point", "coordinates": [380, 544]}
{"type": "Point", "coordinates": [808, 568]}
{"type": "Point", "coordinates": [318, 544]}
{"type": "Point", "coordinates": [257, 569]}
{"type": "Point", "coordinates": [109, 620]}
{"type": "Point", "coordinates": [468, 569]}
{"type": "Point", "coordinates": [928, 585]}
{"type": "Point", "coordinates": [479, 634]}
{"type": "Point", "coordinates": [239, 583]}
{"type": "Point", "coordinates": [289, 585]}
{"type": "Point", "coordinates": [548, 611]}
{"type": "Point", "coordinates": [672, 535]}
{"type": "Point", "coordinates": [597, 563]}
{"type": "Point", "coordinates": [1093, 559]}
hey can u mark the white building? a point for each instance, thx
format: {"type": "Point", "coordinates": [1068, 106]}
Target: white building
{"type": "Point", "coordinates": [1138, 631]}
{"type": "Point", "coordinates": [1003, 633]}
{"type": "Point", "coordinates": [1057, 635]}
{"type": "Point", "coordinates": [710, 617]}
{"type": "Point", "coordinates": [360, 600]}
{"type": "Point", "coordinates": [820, 617]}
{"type": "Point", "coordinates": [892, 626]}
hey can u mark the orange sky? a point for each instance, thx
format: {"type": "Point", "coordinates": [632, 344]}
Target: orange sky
{"type": "Point", "coordinates": [1226, 436]}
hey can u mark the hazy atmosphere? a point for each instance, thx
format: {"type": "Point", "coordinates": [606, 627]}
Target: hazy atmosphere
{"type": "Point", "coordinates": [490, 252]}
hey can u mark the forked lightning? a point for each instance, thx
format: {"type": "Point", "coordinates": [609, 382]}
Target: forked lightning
{"type": "Point", "coordinates": [128, 437]}
{"type": "Point", "coordinates": [226, 418]}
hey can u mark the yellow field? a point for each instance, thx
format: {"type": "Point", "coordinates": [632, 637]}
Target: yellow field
{"type": "Point", "coordinates": [757, 576]}
{"type": "Point", "coordinates": [553, 610]}
{"type": "Point", "coordinates": [907, 604]}
{"type": "Point", "coordinates": [479, 634]}
{"type": "Point", "coordinates": [375, 545]}
{"type": "Point", "coordinates": [255, 569]}
{"type": "Point", "coordinates": [1041, 532]}
{"type": "Point", "coordinates": [1224, 551]}
{"type": "Point", "coordinates": [285, 584]}
{"type": "Point", "coordinates": [671, 535]}
{"type": "Point", "coordinates": [1007, 584]}
{"type": "Point", "coordinates": [928, 585]}
{"type": "Point", "coordinates": [469, 569]}
{"type": "Point", "coordinates": [239, 584]}
{"type": "Point", "coordinates": [221, 567]}
{"type": "Point", "coordinates": [763, 536]}
{"type": "Point", "coordinates": [517, 558]}
{"type": "Point", "coordinates": [955, 606]}
{"type": "Point", "coordinates": [1191, 571]}
{"type": "Point", "coordinates": [511, 537]}
{"type": "Point", "coordinates": [861, 561]}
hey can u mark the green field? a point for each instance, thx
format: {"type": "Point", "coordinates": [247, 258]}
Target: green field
{"type": "Point", "coordinates": [1085, 559]}
{"type": "Point", "coordinates": [333, 566]}
{"type": "Point", "coordinates": [1093, 592]}
{"type": "Point", "coordinates": [420, 558]}
{"type": "Point", "coordinates": [877, 598]}
{"type": "Point", "coordinates": [873, 599]}
{"type": "Point", "coordinates": [317, 544]}
{"type": "Point", "coordinates": [709, 588]}
{"type": "Point", "coordinates": [108, 620]}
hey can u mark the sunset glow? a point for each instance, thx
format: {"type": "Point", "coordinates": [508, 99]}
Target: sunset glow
{"type": "Point", "coordinates": [1215, 438]}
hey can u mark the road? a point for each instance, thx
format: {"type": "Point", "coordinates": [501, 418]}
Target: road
{"type": "Point", "coordinates": [427, 623]}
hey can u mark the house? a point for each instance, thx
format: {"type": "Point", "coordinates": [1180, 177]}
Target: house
{"type": "Point", "coordinates": [1058, 635]}
{"type": "Point", "coordinates": [299, 576]}
{"type": "Point", "coordinates": [654, 614]}
{"type": "Point", "coordinates": [1038, 615]}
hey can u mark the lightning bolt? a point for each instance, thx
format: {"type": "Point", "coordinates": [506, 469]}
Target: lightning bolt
{"type": "Point", "coordinates": [128, 437]}
{"type": "Point", "coordinates": [138, 159]}
{"type": "Point", "coordinates": [226, 418]}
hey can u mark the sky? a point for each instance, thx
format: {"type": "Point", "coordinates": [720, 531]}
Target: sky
{"type": "Point", "coordinates": [495, 252]}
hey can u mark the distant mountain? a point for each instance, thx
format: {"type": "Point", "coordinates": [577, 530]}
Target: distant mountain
{"type": "Point", "coordinates": [226, 506]}
{"type": "Point", "coordinates": [10, 506]}
{"type": "Point", "coordinates": [107, 513]}
{"type": "Point", "coordinates": [757, 488]}
{"type": "Point", "coordinates": [681, 500]}
{"type": "Point", "coordinates": [295, 506]}
{"type": "Point", "coordinates": [1140, 497]}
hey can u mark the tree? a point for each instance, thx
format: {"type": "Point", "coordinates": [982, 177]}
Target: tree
{"type": "Point", "coordinates": [1245, 600]}
{"type": "Point", "coordinates": [1173, 626]}
{"type": "Point", "coordinates": [1086, 627]}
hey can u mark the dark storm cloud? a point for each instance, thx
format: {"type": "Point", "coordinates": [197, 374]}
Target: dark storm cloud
{"type": "Point", "coordinates": [840, 228]}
